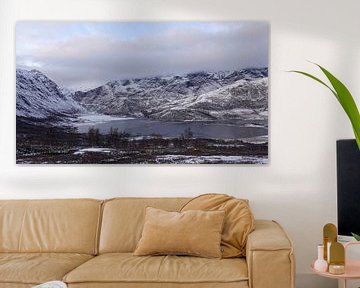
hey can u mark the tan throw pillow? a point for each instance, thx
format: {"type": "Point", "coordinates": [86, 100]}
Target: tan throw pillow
{"type": "Point", "coordinates": [196, 233]}
{"type": "Point", "coordinates": [239, 220]}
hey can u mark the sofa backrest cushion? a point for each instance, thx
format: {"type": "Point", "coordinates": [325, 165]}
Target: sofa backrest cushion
{"type": "Point", "coordinates": [64, 226]}
{"type": "Point", "coordinates": [239, 220]}
{"type": "Point", "coordinates": [123, 220]}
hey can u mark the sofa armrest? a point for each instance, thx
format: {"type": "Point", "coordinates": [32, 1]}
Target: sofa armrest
{"type": "Point", "coordinates": [269, 256]}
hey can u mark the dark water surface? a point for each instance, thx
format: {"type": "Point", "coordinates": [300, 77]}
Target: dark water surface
{"type": "Point", "coordinates": [220, 129]}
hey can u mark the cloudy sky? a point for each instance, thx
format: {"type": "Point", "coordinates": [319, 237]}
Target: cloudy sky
{"type": "Point", "coordinates": [80, 55]}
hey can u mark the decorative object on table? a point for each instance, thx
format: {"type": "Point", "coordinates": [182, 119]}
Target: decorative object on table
{"type": "Point", "coordinates": [350, 270]}
{"type": "Point", "coordinates": [333, 252]}
{"type": "Point", "coordinates": [344, 97]}
{"type": "Point", "coordinates": [320, 264]}
{"type": "Point", "coordinates": [142, 92]}
{"type": "Point", "coordinates": [336, 269]}
{"type": "Point", "coordinates": [337, 258]}
{"type": "Point", "coordinates": [329, 236]}
{"type": "Point", "coordinates": [51, 284]}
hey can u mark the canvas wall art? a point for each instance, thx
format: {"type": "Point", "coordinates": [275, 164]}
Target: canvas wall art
{"type": "Point", "coordinates": [142, 92]}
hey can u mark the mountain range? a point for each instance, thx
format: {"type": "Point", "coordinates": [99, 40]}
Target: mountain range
{"type": "Point", "coordinates": [240, 94]}
{"type": "Point", "coordinates": [39, 97]}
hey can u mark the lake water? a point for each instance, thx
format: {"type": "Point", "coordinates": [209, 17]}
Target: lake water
{"type": "Point", "coordinates": [220, 129]}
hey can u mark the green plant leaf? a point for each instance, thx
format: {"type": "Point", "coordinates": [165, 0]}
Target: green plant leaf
{"type": "Point", "coordinates": [316, 79]}
{"type": "Point", "coordinates": [356, 236]}
{"type": "Point", "coordinates": [347, 102]}
{"type": "Point", "coordinates": [357, 137]}
{"type": "Point", "coordinates": [344, 97]}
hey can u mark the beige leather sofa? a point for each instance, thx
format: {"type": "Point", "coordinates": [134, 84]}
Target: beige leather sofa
{"type": "Point", "coordinates": [89, 243]}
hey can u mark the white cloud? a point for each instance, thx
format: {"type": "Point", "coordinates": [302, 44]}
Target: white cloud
{"type": "Point", "coordinates": [75, 58]}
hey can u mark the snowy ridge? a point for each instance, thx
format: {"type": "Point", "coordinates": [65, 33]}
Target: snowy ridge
{"type": "Point", "coordinates": [39, 97]}
{"type": "Point", "coordinates": [242, 100]}
{"type": "Point", "coordinates": [192, 96]}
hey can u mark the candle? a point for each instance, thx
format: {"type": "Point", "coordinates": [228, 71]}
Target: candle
{"type": "Point", "coordinates": [336, 269]}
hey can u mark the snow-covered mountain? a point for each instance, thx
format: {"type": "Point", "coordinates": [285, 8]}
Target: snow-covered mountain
{"type": "Point", "coordinates": [39, 97]}
{"type": "Point", "coordinates": [193, 96]}
{"type": "Point", "coordinates": [241, 94]}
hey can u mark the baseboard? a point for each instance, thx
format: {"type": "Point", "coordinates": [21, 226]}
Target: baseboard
{"type": "Point", "coordinates": [309, 280]}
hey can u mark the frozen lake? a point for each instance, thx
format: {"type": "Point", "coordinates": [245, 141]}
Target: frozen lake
{"type": "Point", "coordinates": [219, 129]}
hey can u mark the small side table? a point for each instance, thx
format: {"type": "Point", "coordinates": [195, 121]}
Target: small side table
{"type": "Point", "coordinates": [352, 269]}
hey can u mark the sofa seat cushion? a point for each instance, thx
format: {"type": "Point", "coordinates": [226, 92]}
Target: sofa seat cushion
{"type": "Point", "coordinates": [242, 284]}
{"type": "Point", "coordinates": [36, 268]}
{"type": "Point", "coordinates": [125, 267]}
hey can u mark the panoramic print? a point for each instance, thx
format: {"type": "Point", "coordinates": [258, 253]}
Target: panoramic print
{"type": "Point", "coordinates": [142, 92]}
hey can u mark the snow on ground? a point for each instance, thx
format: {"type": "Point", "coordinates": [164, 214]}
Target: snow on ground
{"type": "Point", "coordinates": [228, 145]}
{"type": "Point", "coordinates": [93, 150]}
{"type": "Point", "coordinates": [257, 140]}
{"type": "Point", "coordinates": [237, 113]}
{"type": "Point", "coordinates": [87, 119]}
{"type": "Point", "coordinates": [264, 113]}
{"type": "Point", "coordinates": [184, 159]}
{"type": "Point", "coordinates": [254, 125]}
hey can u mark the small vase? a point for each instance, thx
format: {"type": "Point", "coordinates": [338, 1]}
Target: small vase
{"type": "Point", "coordinates": [320, 264]}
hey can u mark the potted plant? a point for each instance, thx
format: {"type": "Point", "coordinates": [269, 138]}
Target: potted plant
{"type": "Point", "coordinates": [347, 102]}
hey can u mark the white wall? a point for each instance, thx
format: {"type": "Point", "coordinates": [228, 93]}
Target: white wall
{"type": "Point", "coordinates": [297, 188]}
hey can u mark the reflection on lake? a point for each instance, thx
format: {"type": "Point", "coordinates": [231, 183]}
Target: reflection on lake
{"type": "Point", "coordinates": [220, 129]}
